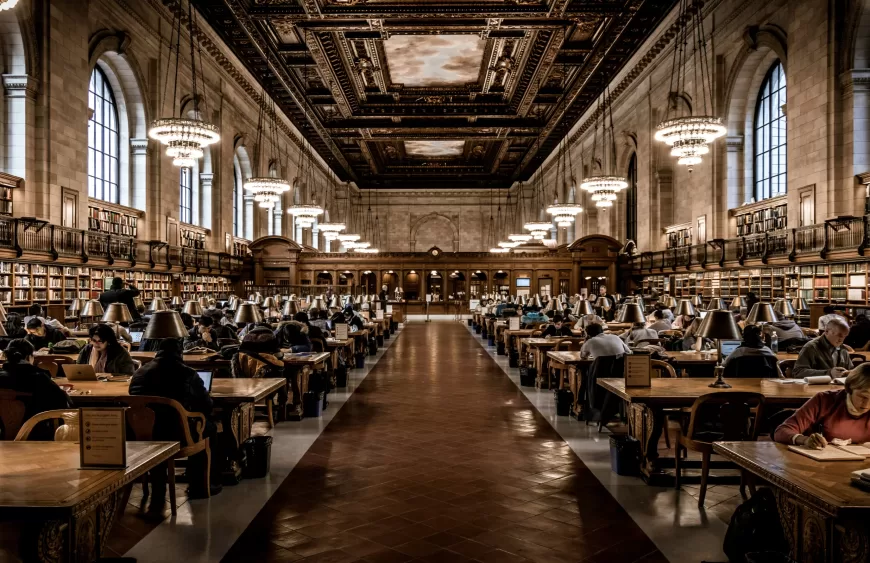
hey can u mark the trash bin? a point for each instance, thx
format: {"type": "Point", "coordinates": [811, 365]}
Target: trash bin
{"type": "Point", "coordinates": [768, 557]}
{"type": "Point", "coordinates": [360, 360]}
{"type": "Point", "coordinates": [471, 322]}
{"type": "Point", "coordinates": [258, 451]}
{"type": "Point", "coordinates": [564, 398]}
{"type": "Point", "coordinates": [528, 377]}
{"type": "Point", "coordinates": [624, 455]}
{"type": "Point", "coordinates": [341, 376]}
{"type": "Point", "coordinates": [312, 404]}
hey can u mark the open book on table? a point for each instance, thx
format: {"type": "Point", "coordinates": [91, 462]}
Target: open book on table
{"type": "Point", "coordinates": [851, 452]}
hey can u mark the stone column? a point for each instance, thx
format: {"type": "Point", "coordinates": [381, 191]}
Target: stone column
{"type": "Point", "coordinates": [139, 164]}
{"type": "Point", "coordinates": [18, 140]}
{"type": "Point", "coordinates": [206, 196]}
{"type": "Point", "coordinates": [665, 215]}
{"type": "Point", "coordinates": [315, 236]}
{"type": "Point", "coordinates": [849, 200]}
{"type": "Point", "coordinates": [735, 192]}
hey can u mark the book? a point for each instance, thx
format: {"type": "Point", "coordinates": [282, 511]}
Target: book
{"type": "Point", "coordinates": [828, 453]}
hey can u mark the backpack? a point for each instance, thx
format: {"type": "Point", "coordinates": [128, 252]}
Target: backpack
{"type": "Point", "coordinates": [754, 527]}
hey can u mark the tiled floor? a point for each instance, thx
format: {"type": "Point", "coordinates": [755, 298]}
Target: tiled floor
{"type": "Point", "coordinates": [439, 457]}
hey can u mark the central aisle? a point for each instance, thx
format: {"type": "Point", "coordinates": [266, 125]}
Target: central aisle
{"type": "Point", "coordinates": [437, 456]}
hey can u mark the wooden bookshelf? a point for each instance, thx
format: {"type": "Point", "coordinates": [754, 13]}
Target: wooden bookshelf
{"type": "Point", "coordinates": [679, 236]}
{"type": "Point", "coordinates": [112, 222]}
{"type": "Point", "coordinates": [759, 218]}
{"type": "Point", "coordinates": [194, 286]}
{"type": "Point", "coordinates": [192, 239]}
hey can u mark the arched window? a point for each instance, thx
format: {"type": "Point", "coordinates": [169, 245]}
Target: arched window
{"type": "Point", "coordinates": [237, 188]}
{"type": "Point", "coordinates": [770, 136]}
{"type": "Point", "coordinates": [631, 201]}
{"type": "Point", "coordinates": [186, 193]}
{"type": "Point", "coordinates": [103, 140]}
{"type": "Point", "coordinates": [275, 215]}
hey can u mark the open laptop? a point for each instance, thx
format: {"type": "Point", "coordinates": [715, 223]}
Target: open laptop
{"type": "Point", "coordinates": [137, 336]}
{"type": "Point", "coordinates": [79, 372]}
{"type": "Point", "coordinates": [729, 346]}
{"type": "Point", "coordinates": [206, 377]}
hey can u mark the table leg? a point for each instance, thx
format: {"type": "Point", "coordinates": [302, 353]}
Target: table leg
{"type": "Point", "coordinates": [645, 424]}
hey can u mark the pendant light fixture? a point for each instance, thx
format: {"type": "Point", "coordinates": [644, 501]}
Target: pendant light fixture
{"type": "Point", "coordinates": [305, 214]}
{"type": "Point", "coordinates": [7, 5]}
{"type": "Point", "coordinates": [185, 137]}
{"type": "Point", "coordinates": [538, 229]}
{"type": "Point", "coordinates": [501, 224]}
{"type": "Point", "coordinates": [563, 214]}
{"type": "Point", "coordinates": [492, 237]}
{"type": "Point", "coordinates": [331, 229]}
{"type": "Point", "coordinates": [371, 231]}
{"type": "Point", "coordinates": [689, 136]}
{"type": "Point", "coordinates": [267, 191]}
{"type": "Point", "coordinates": [605, 187]}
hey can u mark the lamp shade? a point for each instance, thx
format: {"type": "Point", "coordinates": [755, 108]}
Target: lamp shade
{"type": "Point", "coordinates": [203, 301]}
{"type": "Point", "coordinates": [318, 304]}
{"type": "Point", "coordinates": [192, 308]}
{"type": "Point", "coordinates": [784, 308]}
{"type": "Point", "coordinates": [334, 304]}
{"type": "Point", "coordinates": [176, 301]}
{"type": "Point", "coordinates": [3, 309]}
{"type": "Point", "coordinates": [603, 302]}
{"type": "Point", "coordinates": [269, 303]}
{"type": "Point", "coordinates": [716, 304]}
{"type": "Point", "coordinates": [738, 302]}
{"type": "Point", "coordinates": [2, 316]}
{"type": "Point", "coordinates": [559, 307]}
{"type": "Point", "coordinates": [76, 305]}
{"type": "Point", "coordinates": [290, 308]}
{"type": "Point", "coordinates": [3, 330]}
{"type": "Point", "coordinates": [761, 313]}
{"type": "Point", "coordinates": [799, 304]}
{"type": "Point", "coordinates": [165, 324]}
{"type": "Point", "coordinates": [157, 304]}
{"type": "Point", "coordinates": [582, 307]}
{"type": "Point", "coordinates": [138, 303]}
{"type": "Point", "coordinates": [92, 308]}
{"type": "Point", "coordinates": [697, 301]}
{"type": "Point", "coordinates": [669, 302]}
{"type": "Point", "coordinates": [536, 301]}
{"type": "Point", "coordinates": [719, 325]}
{"type": "Point", "coordinates": [631, 313]}
{"type": "Point", "coordinates": [248, 313]}
{"type": "Point", "coordinates": [117, 313]}
{"type": "Point", "coordinates": [686, 308]}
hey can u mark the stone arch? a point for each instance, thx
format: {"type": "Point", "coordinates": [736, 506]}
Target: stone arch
{"type": "Point", "coordinates": [857, 40]}
{"type": "Point", "coordinates": [20, 69]}
{"type": "Point", "coordinates": [245, 203]}
{"type": "Point", "coordinates": [763, 46]}
{"type": "Point", "coordinates": [437, 218]}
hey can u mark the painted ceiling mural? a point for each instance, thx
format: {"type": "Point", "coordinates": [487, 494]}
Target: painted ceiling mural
{"type": "Point", "coordinates": [437, 93]}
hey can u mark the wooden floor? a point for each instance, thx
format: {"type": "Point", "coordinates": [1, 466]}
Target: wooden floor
{"type": "Point", "coordinates": [438, 457]}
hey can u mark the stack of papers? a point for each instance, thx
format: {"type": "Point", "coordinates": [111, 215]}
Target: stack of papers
{"type": "Point", "coordinates": [817, 380]}
{"type": "Point", "coordinates": [834, 453]}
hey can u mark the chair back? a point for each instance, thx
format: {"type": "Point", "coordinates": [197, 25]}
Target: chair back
{"type": "Point", "coordinates": [734, 415]}
{"type": "Point", "coordinates": [13, 406]}
{"type": "Point", "coordinates": [752, 366]}
{"type": "Point", "coordinates": [857, 359]}
{"type": "Point", "coordinates": [57, 417]}
{"type": "Point", "coordinates": [662, 369]}
{"type": "Point", "coordinates": [786, 367]}
{"type": "Point", "coordinates": [572, 344]}
{"type": "Point", "coordinates": [47, 364]}
{"type": "Point", "coordinates": [318, 345]}
{"type": "Point", "coordinates": [158, 418]}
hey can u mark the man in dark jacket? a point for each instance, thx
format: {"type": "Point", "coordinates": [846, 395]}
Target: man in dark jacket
{"type": "Point", "coordinates": [117, 294]}
{"type": "Point", "coordinates": [167, 376]}
{"type": "Point", "coordinates": [557, 328]}
{"type": "Point", "coordinates": [40, 335]}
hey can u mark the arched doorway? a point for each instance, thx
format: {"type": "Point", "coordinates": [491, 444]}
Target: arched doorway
{"type": "Point", "coordinates": [391, 280]}
{"type": "Point", "coordinates": [368, 282]}
{"type": "Point", "coordinates": [346, 279]}
{"type": "Point", "coordinates": [435, 285]}
{"type": "Point", "coordinates": [412, 286]}
{"type": "Point", "coordinates": [457, 285]}
{"type": "Point", "coordinates": [323, 278]}
{"type": "Point", "coordinates": [501, 282]}
{"type": "Point", "coordinates": [478, 285]}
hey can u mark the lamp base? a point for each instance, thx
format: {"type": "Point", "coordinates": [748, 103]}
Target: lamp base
{"type": "Point", "coordinates": [719, 373]}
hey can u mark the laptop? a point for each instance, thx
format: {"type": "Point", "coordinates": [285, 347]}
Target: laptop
{"type": "Point", "coordinates": [137, 336]}
{"type": "Point", "coordinates": [703, 314]}
{"type": "Point", "coordinates": [729, 346]}
{"type": "Point", "coordinates": [79, 372]}
{"type": "Point", "coordinates": [206, 377]}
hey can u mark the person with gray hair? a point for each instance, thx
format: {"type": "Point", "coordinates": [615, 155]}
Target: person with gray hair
{"type": "Point", "coordinates": [825, 355]}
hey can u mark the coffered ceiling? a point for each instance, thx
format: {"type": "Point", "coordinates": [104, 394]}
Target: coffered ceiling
{"type": "Point", "coordinates": [434, 93]}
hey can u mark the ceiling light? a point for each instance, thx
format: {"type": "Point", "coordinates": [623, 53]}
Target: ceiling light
{"type": "Point", "coordinates": [499, 250]}
{"type": "Point", "coordinates": [331, 227]}
{"type": "Point", "coordinates": [184, 138]}
{"type": "Point", "coordinates": [367, 250]}
{"type": "Point", "coordinates": [348, 237]}
{"type": "Point", "coordinates": [305, 215]}
{"type": "Point", "coordinates": [7, 5]}
{"type": "Point", "coordinates": [690, 136]}
{"type": "Point", "coordinates": [511, 244]}
{"type": "Point", "coordinates": [538, 229]}
{"type": "Point", "coordinates": [267, 191]}
{"type": "Point", "coordinates": [521, 237]}
{"type": "Point", "coordinates": [603, 189]}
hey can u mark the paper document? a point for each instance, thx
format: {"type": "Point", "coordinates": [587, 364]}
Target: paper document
{"type": "Point", "coordinates": [828, 453]}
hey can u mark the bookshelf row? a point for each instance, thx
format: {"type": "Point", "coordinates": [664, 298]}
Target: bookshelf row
{"type": "Point", "coordinates": [764, 220]}
{"type": "Point", "coordinates": [22, 284]}
{"type": "Point", "coordinates": [112, 222]}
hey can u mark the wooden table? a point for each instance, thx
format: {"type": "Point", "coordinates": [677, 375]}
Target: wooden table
{"type": "Point", "coordinates": [692, 357]}
{"type": "Point", "coordinates": [341, 348]}
{"type": "Point", "coordinates": [233, 399]}
{"type": "Point", "coordinates": [825, 518]}
{"type": "Point", "coordinates": [196, 361]}
{"type": "Point", "coordinates": [540, 347]}
{"type": "Point", "coordinates": [66, 513]}
{"type": "Point", "coordinates": [646, 405]}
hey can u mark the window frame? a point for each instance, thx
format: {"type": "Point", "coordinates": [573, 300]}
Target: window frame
{"type": "Point", "coordinates": [185, 192]}
{"type": "Point", "coordinates": [109, 108]}
{"type": "Point", "coordinates": [631, 200]}
{"type": "Point", "coordinates": [237, 173]}
{"type": "Point", "coordinates": [769, 127]}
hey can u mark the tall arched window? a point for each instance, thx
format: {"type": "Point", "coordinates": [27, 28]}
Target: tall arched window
{"type": "Point", "coordinates": [103, 140]}
{"type": "Point", "coordinates": [186, 193]}
{"type": "Point", "coordinates": [770, 136]}
{"type": "Point", "coordinates": [631, 201]}
{"type": "Point", "coordinates": [237, 188]}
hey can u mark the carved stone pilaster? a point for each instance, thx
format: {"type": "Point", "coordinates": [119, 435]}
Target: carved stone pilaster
{"type": "Point", "coordinates": [855, 80]}
{"type": "Point", "coordinates": [139, 147]}
{"type": "Point", "coordinates": [20, 86]}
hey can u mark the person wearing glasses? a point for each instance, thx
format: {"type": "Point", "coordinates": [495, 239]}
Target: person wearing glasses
{"type": "Point", "coordinates": [105, 353]}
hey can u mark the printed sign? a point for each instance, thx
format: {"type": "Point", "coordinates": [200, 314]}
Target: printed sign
{"type": "Point", "coordinates": [389, 309]}
{"type": "Point", "coordinates": [379, 315]}
{"type": "Point", "coordinates": [341, 331]}
{"type": "Point", "coordinates": [102, 438]}
{"type": "Point", "coordinates": [637, 370]}
{"type": "Point", "coordinates": [513, 323]}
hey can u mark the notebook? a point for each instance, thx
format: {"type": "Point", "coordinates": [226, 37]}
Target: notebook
{"type": "Point", "coordinates": [833, 453]}
{"type": "Point", "coordinates": [206, 377]}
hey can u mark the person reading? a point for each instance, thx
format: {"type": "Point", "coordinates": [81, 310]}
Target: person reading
{"type": "Point", "coordinates": [599, 343]}
{"type": "Point", "coordinates": [557, 328]}
{"type": "Point", "coordinates": [41, 335]}
{"type": "Point", "coordinates": [825, 355]}
{"type": "Point", "coordinates": [105, 353]}
{"type": "Point", "coordinates": [843, 414]}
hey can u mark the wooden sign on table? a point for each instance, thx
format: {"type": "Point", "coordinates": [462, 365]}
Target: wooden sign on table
{"type": "Point", "coordinates": [341, 331]}
{"type": "Point", "coordinates": [637, 370]}
{"type": "Point", "coordinates": [102, 438]}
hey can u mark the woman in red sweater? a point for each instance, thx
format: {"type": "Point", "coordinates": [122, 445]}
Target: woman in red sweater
{"type": "Point", "coordinates": [832, 414]}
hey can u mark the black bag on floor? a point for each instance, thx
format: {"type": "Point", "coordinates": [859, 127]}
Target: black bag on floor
{"type": "Point", "coordinates": [528, 376]}
{"type": "Point", "coordinates": [755, 527]}
{"type": "Point", "coordinates": [258, 455]}
{"type": "Point", "coordinates": [564, 398]}
{"type": "Point", "coordinates": [499, 348]}
{"type": "Point", "coordinates": [373, 346]}
{"type": "Point", "coordinates": [341, 376]}
{"type": "Point", "coordinates": [513, 360]}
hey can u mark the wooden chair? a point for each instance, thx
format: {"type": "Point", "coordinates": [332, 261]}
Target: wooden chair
{"type": "Point", "coordinates": [47, 364]}
{"type": "Point", "coordinates": [786, 367]}
{"type": "Point", "coordinates": [857, 359]}
{"type": "Point", "coordinates": [142, 419]}
{"type": "Point", "coordinates": [737, 414]}
{"type": "Point", "coordinates": [558, 368]}
{"type": "Point", "coordinates": [58, 417]}
{"type": "Point", "coordinates": [12, 408]}
{"type": "Point", "coordinates": [660, 369]}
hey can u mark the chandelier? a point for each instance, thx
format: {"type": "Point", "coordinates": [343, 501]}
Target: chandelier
{"type": "Point", "coordinates": [266, 191]}
{"type": "Point", "coordinates": [564, 213]}
{"type": "Point", "coordinates": [689, 136]}
{"type": "Point", "coordinates": [347, 237]}
{"type": "Point", "coordinates": [368, 250]}
{"type": "Point", "coordinates": [7, 4]}
{"type": "Point", "coordinates": [520, 238]}
{"type": "Point", "coordinates": [605, 187]}
{"type": "Point", "coordinates": [331, 229]}
{"type": "Point", "coordinates": [499, 250]}
{"type": "Point", "coordinates": [508, 244]}
{"type": "Point", "coordinates": [538, 229]}
{"type": "Point", "coordinates": [305, 215]}
{"type": "Point", "coordinates": [185, 137]}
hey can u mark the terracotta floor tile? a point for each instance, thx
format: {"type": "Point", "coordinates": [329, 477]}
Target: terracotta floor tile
{"type": "Point", "coordinates": [438, 456]}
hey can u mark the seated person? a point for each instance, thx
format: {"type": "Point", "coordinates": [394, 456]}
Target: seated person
{"type": "Point", "coordinates": [19, 374]}
{"type": "Point", "coordinates": [825, 355]}
{"type": "Point", "coordinates": [354, 321]}
{"type": "Point", "coordinates": [751, 346]}
{"type": "Point", "coordinates": [557, 328]}
{"type": "Point", "coordinates": [589, 319]}
{"type": "Point", "coordinates": [224, 331]}
{"type": "Point", "coordinates": [785, 329]}
{"type": "Point", "coordinates": [839, 414]}
{"type": "Point", "coordinates": [638, 332]}
{"type": "Point", "coordinates": [168, 376]}
{"type": "Point", "coordinates": [311, 331]}
{"type": "Point", "coordinates": [202, 335]}
{"type": "Point", "coordinates": [532, 317]}
{"type": "Point", "coordinates": [598, 343]}
{"type": "Point", "coordinates": [321, 321]}
{"type": "Point", "coordinates": [15, 326]}
{"type": "Point", "coordinates": [40, 335]}
{"type": "Point", "coordinates": [667, 313]}
{"type": "Point", "coordinates": [859, 334]}
{"type": "Point", "coordinates": [293, 335]}
{"type": "Point", "coordinates": [828, 315]}
{"type": "Point", "coordinates": [259, 355]}
{"type": "Point", "coordinates": [690, 341]}
{"type": "Point", "coordinates": [683, 322]}
{"type": "Point", "coordinates": [35, 311]}
{"type": "Point", "coordinates": [105, 353]}
{"type": "Point", "coordinates": [659, 323]}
